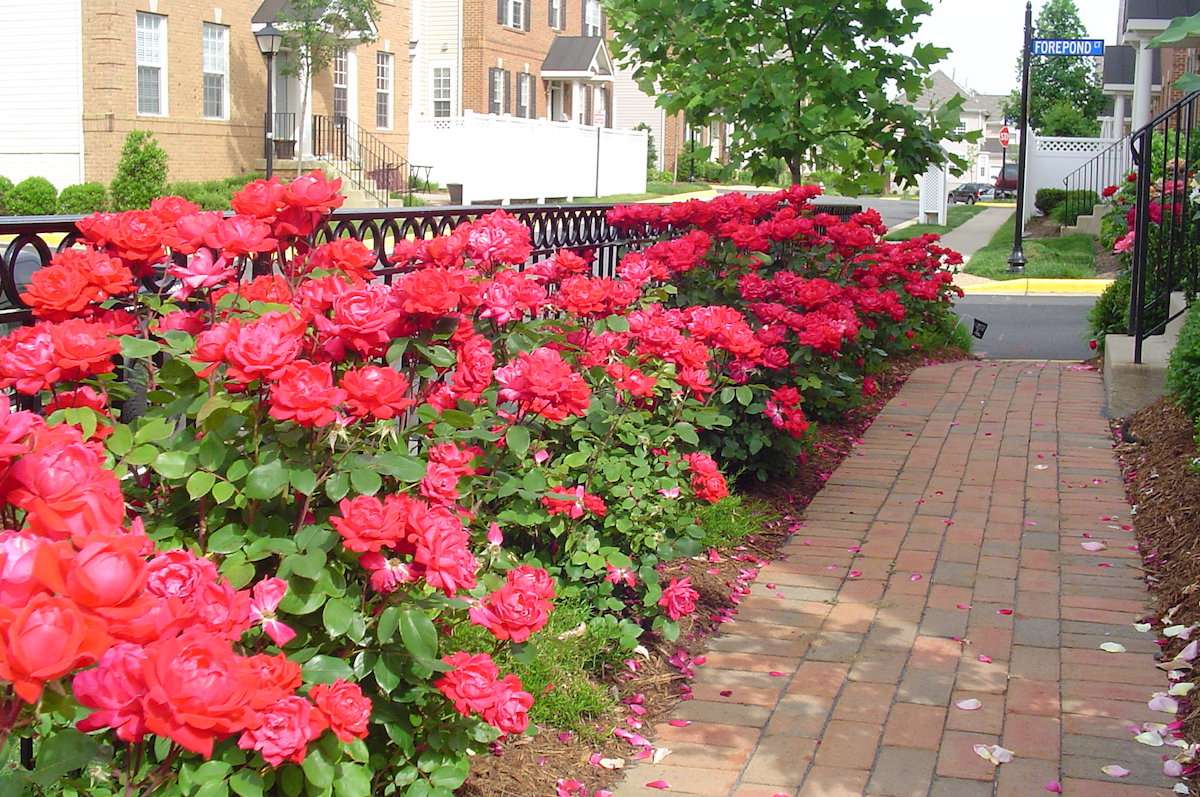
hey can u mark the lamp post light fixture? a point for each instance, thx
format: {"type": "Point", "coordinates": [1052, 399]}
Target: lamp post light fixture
{"type": "Point", "coordinates": [269, 40]}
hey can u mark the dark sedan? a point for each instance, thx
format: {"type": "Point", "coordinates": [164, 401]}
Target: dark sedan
{"type": "Point", "coordinates": [970, 193]}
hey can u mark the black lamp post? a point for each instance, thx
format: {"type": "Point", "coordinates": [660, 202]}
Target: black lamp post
{"type": "Point", "coordinates": [269, 41]}
{"type": "Point", "coordinates": [1016, 260]}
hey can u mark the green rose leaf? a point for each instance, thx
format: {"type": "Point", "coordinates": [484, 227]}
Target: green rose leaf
{"type": "Point", "coordinates": [173, 464]}
{"type": "Point", "coordinates": [326, 670]}
{"type": "Point", "coordinates": [517, 438]}
{"type": "Point", "coordinates": [138, 348]}
{"type": "Point", "coordinates": [199, 483]}
{"type": "Point", "coordinates": [317, 769]}
{"type": "Point", "coordinates": [266, 480]}
{"type": "Point", "coordinates": [365, 481]}
{"type": "Point", "coordinates": [337, 616]}
{"type": "Point", "coordinates": [418, 634]}
{"type": "Point", "coordinates": [303, 480]}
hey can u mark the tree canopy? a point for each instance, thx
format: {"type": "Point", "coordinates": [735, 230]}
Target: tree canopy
{"type": "Point", "coordinates": [1065, 97]}
{"type": "Point", "coordinates": [812, 82]}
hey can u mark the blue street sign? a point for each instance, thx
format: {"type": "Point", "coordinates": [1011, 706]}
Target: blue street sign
{"type": "Point", "coordinates": [1075, 47]}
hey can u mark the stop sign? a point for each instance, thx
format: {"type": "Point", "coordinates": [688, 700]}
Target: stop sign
{"type": "Point", "coordinates": [1004, 137]}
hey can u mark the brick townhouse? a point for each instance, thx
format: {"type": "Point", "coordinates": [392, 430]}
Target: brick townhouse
{"type": "Point", "coordinates": [90, 71]}
{"type": "Point", "coordinates": [537, 59]}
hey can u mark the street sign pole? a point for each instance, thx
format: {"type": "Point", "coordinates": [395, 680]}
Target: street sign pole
{"type": "Point", "coordinates": [1016, 260]}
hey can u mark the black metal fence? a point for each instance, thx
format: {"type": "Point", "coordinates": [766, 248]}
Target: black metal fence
{"type": "Point", "coordinates": [1166, 250]}
{"type": "Point", "coordinates": [27, 243]}
{"type": "Point", "coordinates": [1085, 185]}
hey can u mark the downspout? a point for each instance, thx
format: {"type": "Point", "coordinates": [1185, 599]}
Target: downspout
{"type": "Point", "coordinates": [461, 77]}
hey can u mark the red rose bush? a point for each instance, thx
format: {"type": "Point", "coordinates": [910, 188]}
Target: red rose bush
{"type": "Point", "coordinates": [256, 515]}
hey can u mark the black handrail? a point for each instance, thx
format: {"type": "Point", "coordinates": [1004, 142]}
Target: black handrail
{"type": "Point", "coordinates": [1166, 247]}
{"type": "Point", "coordinates": [1108, 168]}
{"type": "Point", "coordinates": [369, 163]}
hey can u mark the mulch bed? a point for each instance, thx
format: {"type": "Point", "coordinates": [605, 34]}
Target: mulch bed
{"type": "Point", "coordinates": [531, 765]}
{"type": "Point", "coordinates": [1157, 447]}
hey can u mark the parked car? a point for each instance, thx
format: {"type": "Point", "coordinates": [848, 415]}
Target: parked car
{"type": "Point", "coordinates": [1006, 182]}
{"type": "Point", "coordinates": [970, 193]}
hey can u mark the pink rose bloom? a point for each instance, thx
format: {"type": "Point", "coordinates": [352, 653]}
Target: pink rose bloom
{"type": "Point", "coordinates": [114, 688]}
{"type": "Point", "coordinates": [282, 732]}
{"type": "Point", "coordinates": [201, 272]}
{"type": "Point", "coordinates": [679, 599]}
{"type": "Point", "coordinates": [18, 550]}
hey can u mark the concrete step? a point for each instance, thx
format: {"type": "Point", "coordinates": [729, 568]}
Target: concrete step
{"type": "Point", "coordinates": [1131, 386]}
{"type": "Point", "coordinates": [1088, 224]}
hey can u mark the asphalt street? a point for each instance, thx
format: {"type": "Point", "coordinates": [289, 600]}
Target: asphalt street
{"type": "Point", "coordinates": [1029, 327]}
{"type": "Point", "coordinates": [893, 211]}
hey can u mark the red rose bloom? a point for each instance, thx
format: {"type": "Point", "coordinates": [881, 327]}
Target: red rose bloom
{"type": "Point", "coordinates": [346, 255]}
{"type": "Point", "coordinates": [442, 547]}
{"type": "Point", "coordinates": [197, 690]}
{"type": "Point", "coordinates": [346, 708]}
{"type": "Point", "coordinates": [437, 291]}
{"type": "Point", "coordinates": [61, 291]}
{"type": "Point", "coordinates": [470, 685]}
{"type": "Point", "coordinates": [83, 349]}
{"type": "Point", "coordinates": [46, 639]}
{"type": "Point", "coordinates": [509, 711]}
{"type": "Point", "coordinates": [679, 599]}
{"type": "Point", "coordinates": [277, 677]}
{"type": "Point", "coordinates": [375, 391]}
{"type": "Point", "coordinates": [440, 483]}
{"type": "Point", "coordinates": [263, 348]}
{"type": "Point", "coordinates": [282, 731]}
{"type": "Point", "coordinates": [314, 192]}
{"type": "Point", "coordinates": [541, 382]}
{"type": "Point", "coordinates": [170, 209]}
{"type": "Point", "coordinates": [518, 609]}
{"type": "Point", "coordinates": [304, 393]}
{"type": "Point", "coordinates": [66, 491]}
{"type": "Point", "coordinates": [137, 237]}
{"type": "Point", "coordinates": [240, 235]}
{"type": "Point", "coordinates": [368, 524]}
{"type": "Point", "coordinates": [363, 320]}
{"type": "Point", "coordinates": [27, 360]}
{"type": "Point", "coordinates": [261, 199]}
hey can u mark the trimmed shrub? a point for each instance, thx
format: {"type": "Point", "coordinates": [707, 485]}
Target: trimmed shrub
{"type": "Point", "coordinates": [33, 196]}
{"type": "Point", "coordinates": [1183, 370]}
{"type": "Point", "coordinates": [1110, 313]}
{"type": "Point", "coordinates": [6, 185]}
{"type": "Point", "coordinates": [1047, 199]}
{"type": "Point", "coordinates": [83, 198]}
{"type": "Point", "coordinates": [141, 172]}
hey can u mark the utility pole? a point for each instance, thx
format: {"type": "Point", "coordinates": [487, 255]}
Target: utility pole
{"type": "Point", "coordinates": [1016, 260]}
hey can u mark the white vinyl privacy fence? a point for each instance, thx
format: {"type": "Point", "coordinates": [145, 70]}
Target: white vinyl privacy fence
{"type": "Point", "coordinates": [1051, 159]}
{"type": "Point", "coordinates": [505, 158]}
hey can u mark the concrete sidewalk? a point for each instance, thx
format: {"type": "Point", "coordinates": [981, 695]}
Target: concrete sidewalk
{"type": "Point", "coordinates": [969, 238]}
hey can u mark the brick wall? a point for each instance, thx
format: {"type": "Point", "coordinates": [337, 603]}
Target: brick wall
{"type": "Point", "coordinates": [200, 148]}
{"type": "Point", "coordinates": [488, 44]}
{"type": "Point", "coordinates": [1177, 62]}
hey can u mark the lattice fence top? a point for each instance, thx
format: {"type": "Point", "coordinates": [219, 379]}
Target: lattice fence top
{"type": "Point", "coordinates": [1074, 146]}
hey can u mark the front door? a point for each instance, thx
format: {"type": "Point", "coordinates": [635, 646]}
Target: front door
{"type": "Point", "coordinates": [287, 121]}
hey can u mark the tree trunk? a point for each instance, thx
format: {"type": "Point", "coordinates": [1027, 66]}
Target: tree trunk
{"type": "Point", "coordinates": [306, 72]}
{"type": "Point", "coordinates": [795, 166]}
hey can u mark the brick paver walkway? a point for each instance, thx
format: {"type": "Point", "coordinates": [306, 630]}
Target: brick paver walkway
{"type": "Point", "coordinates": [941, 563]}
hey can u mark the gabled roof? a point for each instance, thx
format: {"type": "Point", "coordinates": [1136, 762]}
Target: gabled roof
{"type": "Point", "coordinates": [577, 56]}
{"type": "Point", "coordinates": [274, 12]}
{"type": "Point", "coordinates": [942, 88]}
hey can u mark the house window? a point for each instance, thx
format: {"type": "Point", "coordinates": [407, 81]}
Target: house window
{"type": "Point", "coordinates": [441, 91]}
{"type": "Point", "coordinates": [341, 82]}
{"type": "Point", "coordinates": [557, 21]}
{"type": "Point", "coordinates": [215, 59]}
{"type": "Point", "coordinates": [151, 47]}
{"type": "Point", "coordinates": [498, 91]}
{"type": "Point", "coordinates": [591, 17]}
{"type": "Point", "coordinates": [524, 94]}
{"type": "Point", "coordinates": [383, 91]}
{"type": "Point", "coordinates": [557, 113]}
{"type": "Point", "coordinates": [512, 13]}
{"type": "Point", "coordinates": [960, 128]}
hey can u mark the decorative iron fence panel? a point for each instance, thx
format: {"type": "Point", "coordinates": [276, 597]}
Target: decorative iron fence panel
{"type": "Point", "coordinates": [28, 242]}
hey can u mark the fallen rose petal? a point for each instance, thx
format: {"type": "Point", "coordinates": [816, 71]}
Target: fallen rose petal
{"type": "Point", "coordinates": [1093, 545]}
{"type": "Point", "coordinates": [985, 658]}
{"type": "Point", "coordinates": [661, 785]}
{"type": "Point", "coordinates": [855, 574]}
{"type": "Point", "coordinates": [659, 754]}
{"type": "Point", "coordinates": [962, 606]}
{"type": "Point", "coordinates": [726, 692]}
{"type": "Point", "coordinates": [1142, 627]}
{"type": "Point", "coordinates": [970, 704]}
{"type": "Point", "coordinates": [1112, 647]}
{"type": "Point", "coordinates": [776, 674]}
{"type": "Point", "coordinates": [1172, 768]}
{"type": "Point", "coordinates": [679, 723]}
{"type": "Point", "coordinates": [1053, 786]}
{"type": "Point", "coordinates": [915, 577]}
{"type": "Point", "coordinates": [1115, 771]}
{"type": "Point", "coordinates": [1005, 612]}
{"type": "Point", "coordinates": [1189, 653]}
{"type": "Point", "coordinates": [1149, 738]}
{"type": "Point", "coordinates": [1164, 704]}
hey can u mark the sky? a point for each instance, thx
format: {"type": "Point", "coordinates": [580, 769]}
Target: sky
{"type": "Point", "coordinates": [986, 37]}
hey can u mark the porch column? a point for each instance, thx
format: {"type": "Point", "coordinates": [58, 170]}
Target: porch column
{"type": "Point", "coordinates": [1143, 77]}
{"type": "Point", "coordinates": [1119, 116]}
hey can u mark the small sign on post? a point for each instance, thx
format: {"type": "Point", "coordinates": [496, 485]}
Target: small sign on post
{"type": "Point", "coordinates": [1067, 47]}
{"type": "Point", "coordinates": [1005, 137]}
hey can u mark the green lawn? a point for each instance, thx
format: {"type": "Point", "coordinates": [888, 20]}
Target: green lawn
{"type": "Point", "coordinates": [654, 190]}
{"type": "Point", "coordinates": [1072, 256]}
{"type": "Point", "coordinates": [955, 216]}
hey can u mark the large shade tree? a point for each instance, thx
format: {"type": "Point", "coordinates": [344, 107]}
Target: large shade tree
{"type": "Point", "coordinates": [1065, 96]}
{"type": "Point", "coordinates": [816, 83]}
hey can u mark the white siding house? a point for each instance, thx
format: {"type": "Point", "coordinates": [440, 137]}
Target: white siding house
{"type": "Point", "coordinates": [436, 58]}
{"type": "Point", "coordinates": [41, 91]}
{"type": "Point", "coordinates": [632, 106]}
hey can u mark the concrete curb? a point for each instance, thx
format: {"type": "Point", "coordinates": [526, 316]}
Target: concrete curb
{"type": "Point", "coordinates": [1034, 286]}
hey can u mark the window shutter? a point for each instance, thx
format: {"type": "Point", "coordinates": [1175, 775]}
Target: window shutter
{"type": "Point", "coordinates": [507, 91]}
{"type": "Point", "coordinates": [582, 17]}
{"type": "Point", "coordinates": [500, 11]}
{"type": "Point", "coordinates": [551, 20]}
{"type": "Point", "coordinates": [532, 96]}
{"type": "Point", "coordinates": [603, 22]}
{"type": "Point", "coordinates": [526, 13]}
{"type": "Point", "coordinates": [493, 104]}
{"type": "Point", "coordinates": [587, 105]}
{"type": "Point", "coordinates": [562, 14]}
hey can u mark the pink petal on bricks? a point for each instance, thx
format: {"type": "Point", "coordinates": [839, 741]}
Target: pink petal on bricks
{"type": "Point", "coordinates": [1053, 786]}
{"type": "Point", "coordinates": [661, 785]}
{"type": "Point", "coordinates": [1115, 771]}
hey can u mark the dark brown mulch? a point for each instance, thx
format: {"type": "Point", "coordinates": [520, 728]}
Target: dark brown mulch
{"type": "Point", "coordinates": [1108, 265]}
{"type": "Point", "coordinates": [530, 766]}
{"type": "Point", "coordinates": [1042, 227]}
{"type": "Point", "coordinates": [1157, 447]}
